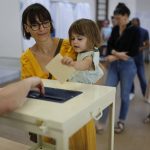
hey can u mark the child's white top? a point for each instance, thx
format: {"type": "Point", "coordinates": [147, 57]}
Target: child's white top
{"type": "Point", "coordinates": [88, 76]}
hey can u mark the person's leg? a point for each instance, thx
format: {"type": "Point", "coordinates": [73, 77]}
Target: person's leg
{"type": "Point", "coordinates": [139, 61]}
{"type": "Point", "coordinates": [147, 119]}
{"type": "Point", "coordinates": [142, 78]}
{"type": "Point", "coordinates": [127, 74]}
{"type": "Point", "coordinates": [111, 80]}
{"type": "Point", "coordinates": [147, 95]}
{"type": "Point", "coordinates": [132, 92]}
{"type": "Point", "coordinates": [132, 88]}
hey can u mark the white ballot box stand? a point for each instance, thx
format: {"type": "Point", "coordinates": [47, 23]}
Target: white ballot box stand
{"type": "Point", "coordinates": [61, 120]}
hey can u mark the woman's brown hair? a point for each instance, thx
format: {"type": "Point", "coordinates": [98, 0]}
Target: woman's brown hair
{"type": "Point", "coordinates": [31, 13]}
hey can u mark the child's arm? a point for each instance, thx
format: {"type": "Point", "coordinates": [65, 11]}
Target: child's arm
{"type": "Point", "coordinates": [82, 65]}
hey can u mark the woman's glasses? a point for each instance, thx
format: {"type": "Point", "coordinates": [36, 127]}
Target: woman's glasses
{"type": "Point", "coordinates": [36, 26]}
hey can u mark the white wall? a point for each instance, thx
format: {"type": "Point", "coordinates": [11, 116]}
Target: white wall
{"type": "Point", "coordinates": [143, 12]}
{"type": "Point", "coordinates": [93, 8]}
{"type": "Point", "coordinates": [10, 31]}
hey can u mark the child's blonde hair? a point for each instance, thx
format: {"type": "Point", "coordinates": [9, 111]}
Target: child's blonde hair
{"type": "Point", "coordinates": [87, 28]}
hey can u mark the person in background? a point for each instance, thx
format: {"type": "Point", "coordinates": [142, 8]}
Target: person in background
{"type": "Point", "coordinates": [84, 37]}
{"type": "Point", "coordinates": [37, 23]}
{"type": "Point", "coordinates": [139, 60]}
{"type": "Point", "coordinates": [11, 98]}
{"type": "Point", "coordinates": [123, 46]}
{"type": "Point", "coordinates": [105, 34]}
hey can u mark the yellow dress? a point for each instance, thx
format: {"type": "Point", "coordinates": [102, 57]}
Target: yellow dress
{"type": "Point", "coordinates": [85, 138]}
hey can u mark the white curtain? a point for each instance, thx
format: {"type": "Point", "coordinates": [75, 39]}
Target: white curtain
{"type": "Point", "coordinates": [82, 10]}
{"type": "Point", "coordinates": [62, 15]}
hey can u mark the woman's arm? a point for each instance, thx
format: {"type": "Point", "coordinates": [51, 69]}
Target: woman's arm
{"type": "Point", "coordinates": [111, 58]}
{"type": "Point", "coordinates": [14, 95]}
{"type": "Point", "coordinates": [120, 55]}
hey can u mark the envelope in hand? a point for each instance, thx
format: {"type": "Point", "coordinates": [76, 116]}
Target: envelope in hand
{"type": "Point", "coordinates": [60, 71]}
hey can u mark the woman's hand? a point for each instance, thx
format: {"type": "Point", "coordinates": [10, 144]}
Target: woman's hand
{"type": "Point", "coordinates": [14, 95]}
{"type": "Point", "coordinates": [123, 56]}
{"type": "Point", "coordinates": [120, 55]}
{"type": "Point", "coordinates": [111, 58]}
{"type": "Point", "coordinates": [36, 83]}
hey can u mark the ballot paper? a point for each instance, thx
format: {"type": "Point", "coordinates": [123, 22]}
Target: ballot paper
{"type": "Point", "coordinates": [60, 71]}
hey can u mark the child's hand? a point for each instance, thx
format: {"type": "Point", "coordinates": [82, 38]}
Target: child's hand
{"type": "Point", "coordinates": [67, 61]}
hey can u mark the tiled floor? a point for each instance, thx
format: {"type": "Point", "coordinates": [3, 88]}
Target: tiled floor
{"type": "Point", "coordinates": [135, 137]}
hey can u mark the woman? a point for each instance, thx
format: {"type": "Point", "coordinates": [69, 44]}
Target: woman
{"type": "Point", "coordinates": [37, 22]}
{"type": "Point", "coordinates": [123, 45]}
{"type": "Point", "coordinates": [11, 99]}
